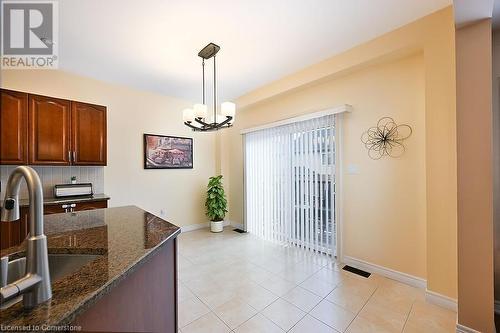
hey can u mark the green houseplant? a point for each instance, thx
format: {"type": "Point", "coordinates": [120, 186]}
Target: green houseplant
{"type": "Point", "coordinates": [216, 203]}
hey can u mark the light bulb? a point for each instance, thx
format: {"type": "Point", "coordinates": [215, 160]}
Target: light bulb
{"type": "Point", "coordinates": [228, 109]}
{"type": "Point", "coordinates": [188, 115]}
{"type": "Point", "coordinates": [200, 110]}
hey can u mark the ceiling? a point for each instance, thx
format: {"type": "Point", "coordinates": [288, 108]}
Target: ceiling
{"type": "Point", "coordinates": [153, 44]}
{"type": "Point", "coordinates": [496, 15]}
{"type": "Point", "coordinates": [467, 11]}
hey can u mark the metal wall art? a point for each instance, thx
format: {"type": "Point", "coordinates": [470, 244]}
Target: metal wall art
{"type": "Point", "coordinates": [386, 139]}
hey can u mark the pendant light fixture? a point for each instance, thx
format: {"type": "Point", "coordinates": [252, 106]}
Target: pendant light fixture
{"type": "Point", "coordinates": [197, 118]}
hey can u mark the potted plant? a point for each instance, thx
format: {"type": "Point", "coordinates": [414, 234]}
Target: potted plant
{"type": "Point", "coordinates": [216, 204]}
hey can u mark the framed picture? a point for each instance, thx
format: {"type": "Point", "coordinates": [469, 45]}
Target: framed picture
{"type": "Point", "coordinates": [167, 152]}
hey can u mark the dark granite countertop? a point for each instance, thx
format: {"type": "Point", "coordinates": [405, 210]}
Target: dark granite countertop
{"type": "Point", "coordinates": [123, 237]}
{"type": "Point", "coordinates": [58, 201]}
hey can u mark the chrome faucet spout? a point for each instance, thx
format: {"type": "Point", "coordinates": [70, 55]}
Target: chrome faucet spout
{"type": "Point", "coordinates": [35, 285]}
{"type": "Point", "coordinates": [35, 192]}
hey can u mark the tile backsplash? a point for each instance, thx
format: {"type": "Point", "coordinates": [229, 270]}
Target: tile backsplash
{"type": "Point", "coordinates": [51, 176]}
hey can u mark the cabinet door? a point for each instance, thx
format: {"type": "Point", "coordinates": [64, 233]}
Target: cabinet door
{"type": "Point", "coordinates": [5, 238]}
{"type": "Point", "coordinates": [23, 224]}
{"type": "Point", "coordinates": [88, 134]}
{"type": "Point", "coordinates": [49, 129]}
{"type": "Point", "coordinates": [74, 206]}
{"type": "Point", "coordinates": [55, 209]}
{"type": "Point", "coordinates": [13, 127]}
{"type": "Point", "coordinates": [91, 205]}
{"type": "Point", "coordinates": [13, 233]}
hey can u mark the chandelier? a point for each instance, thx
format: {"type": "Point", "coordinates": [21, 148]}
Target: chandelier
{"type": "Point", "coordinates": [198, 118]}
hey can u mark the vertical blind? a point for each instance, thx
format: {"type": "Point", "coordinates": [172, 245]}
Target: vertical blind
{"type": "Point", "coordinates": [290, 184]}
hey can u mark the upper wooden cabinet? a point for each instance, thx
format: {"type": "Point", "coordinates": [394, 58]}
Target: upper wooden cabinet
{"type": "Point", "coordinates": [88, 134]}
{"type": "Point", "coordinates": [49, 130]}
{"type": "Point", "coordinates": [41, 130]}
{"type": "Point", "coordinates": [13, 127]}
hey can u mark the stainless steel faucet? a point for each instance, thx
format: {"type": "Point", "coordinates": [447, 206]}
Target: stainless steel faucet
{"type": "Point", "coordinates": [34, 286]}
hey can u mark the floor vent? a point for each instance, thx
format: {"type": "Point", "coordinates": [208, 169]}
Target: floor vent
{"type": "Point", "coordinates": [240, 231]}
{"type": "Point", "coordinates": [356, 271]}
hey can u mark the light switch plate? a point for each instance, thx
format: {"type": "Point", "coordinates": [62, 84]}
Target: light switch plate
{"type": "Point", "coordinates": [353, 169]}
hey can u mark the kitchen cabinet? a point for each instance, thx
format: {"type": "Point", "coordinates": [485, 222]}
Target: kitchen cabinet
{"type": "Point", "coordinates": [53, 209]}
{"type": "Point", "coordinates": [42, 130]}
{"type": "Point", "coordinates": [74, 207]}
{"type": "Point", "coordinates": [49, 130]}
{"type": "Point", "coordinates": [88, 125]}
{"type": "Point", "coordinates": [13, 233]}
{"type": "Point", "coordinates": [135, 302]}
{"type": "Point", "coordinates": [79, 206]}
{"type": "Point", "coordinates": [13, 127]}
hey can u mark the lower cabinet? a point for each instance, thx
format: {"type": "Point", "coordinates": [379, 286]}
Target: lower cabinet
{"type": "Point", "coordinates": [90, 205]}
{"type": "Point", "coordinates": [14, 233]}
{"type": "Point", "coordinates": [74, 207]}
{"type": "Point", "coordinates": [144, 301]}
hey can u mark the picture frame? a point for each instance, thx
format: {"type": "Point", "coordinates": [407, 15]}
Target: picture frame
{"type": "Point", "coordinates": [167, 152]}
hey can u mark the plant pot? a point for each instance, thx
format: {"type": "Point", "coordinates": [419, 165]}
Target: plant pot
{"type": "Point", "coordinates": [216, 226]}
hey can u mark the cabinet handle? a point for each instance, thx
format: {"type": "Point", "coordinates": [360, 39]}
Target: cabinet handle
{"type": "Point", "coordinates": [74, 156]}
{"type": "Point", "coordinates": [69, 156]}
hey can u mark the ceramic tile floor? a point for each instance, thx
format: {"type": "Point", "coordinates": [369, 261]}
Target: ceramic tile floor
{"type": "Point", "coordinates": [232, 282]}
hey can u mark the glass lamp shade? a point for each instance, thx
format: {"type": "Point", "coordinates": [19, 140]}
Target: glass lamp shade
{"type": "Point", "coordinates": [228, 109]}
{"type": "Point", "coordinates": [188, 115]}
{"type": "Point", "coordinates": [200, 110]}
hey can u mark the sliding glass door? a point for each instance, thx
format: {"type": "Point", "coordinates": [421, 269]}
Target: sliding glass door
{"type": "Point", "coordinates": [290, 184]}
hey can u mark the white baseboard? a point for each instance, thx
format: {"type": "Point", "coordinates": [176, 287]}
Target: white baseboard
{"type": "Point", "coordinates": [238, 225]}
{"type": "Point", "coordinates": [441, 300]}
{"type": "Point", "coordinates": [497, 307]}
{"type": "Point", "coordinates": [387, 272]}
{"type": "Point", "coordinates": [192, 227]}
{"type": "Point", "coordinates": [465, 329]}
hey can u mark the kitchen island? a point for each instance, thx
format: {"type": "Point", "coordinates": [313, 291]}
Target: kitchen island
{"type": "Point", "coordinates": [112, 270]}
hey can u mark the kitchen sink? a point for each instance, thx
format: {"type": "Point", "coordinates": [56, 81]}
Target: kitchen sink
{"type": "Point", "coordinates": [60, 265]}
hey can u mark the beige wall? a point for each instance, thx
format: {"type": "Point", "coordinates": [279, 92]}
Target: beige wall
{"type": "Point", "coordinates": [180, 193]}
{"type": "Point", "coordinates": [385, 202]}
{"type": "Point", "coordinates": [320, 85]}
{"type": "Point", "coordinates": [475, 183]}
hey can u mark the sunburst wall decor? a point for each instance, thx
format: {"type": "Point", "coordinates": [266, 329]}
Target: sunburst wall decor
{"type": "Point", "coordinates": [386, 139]}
